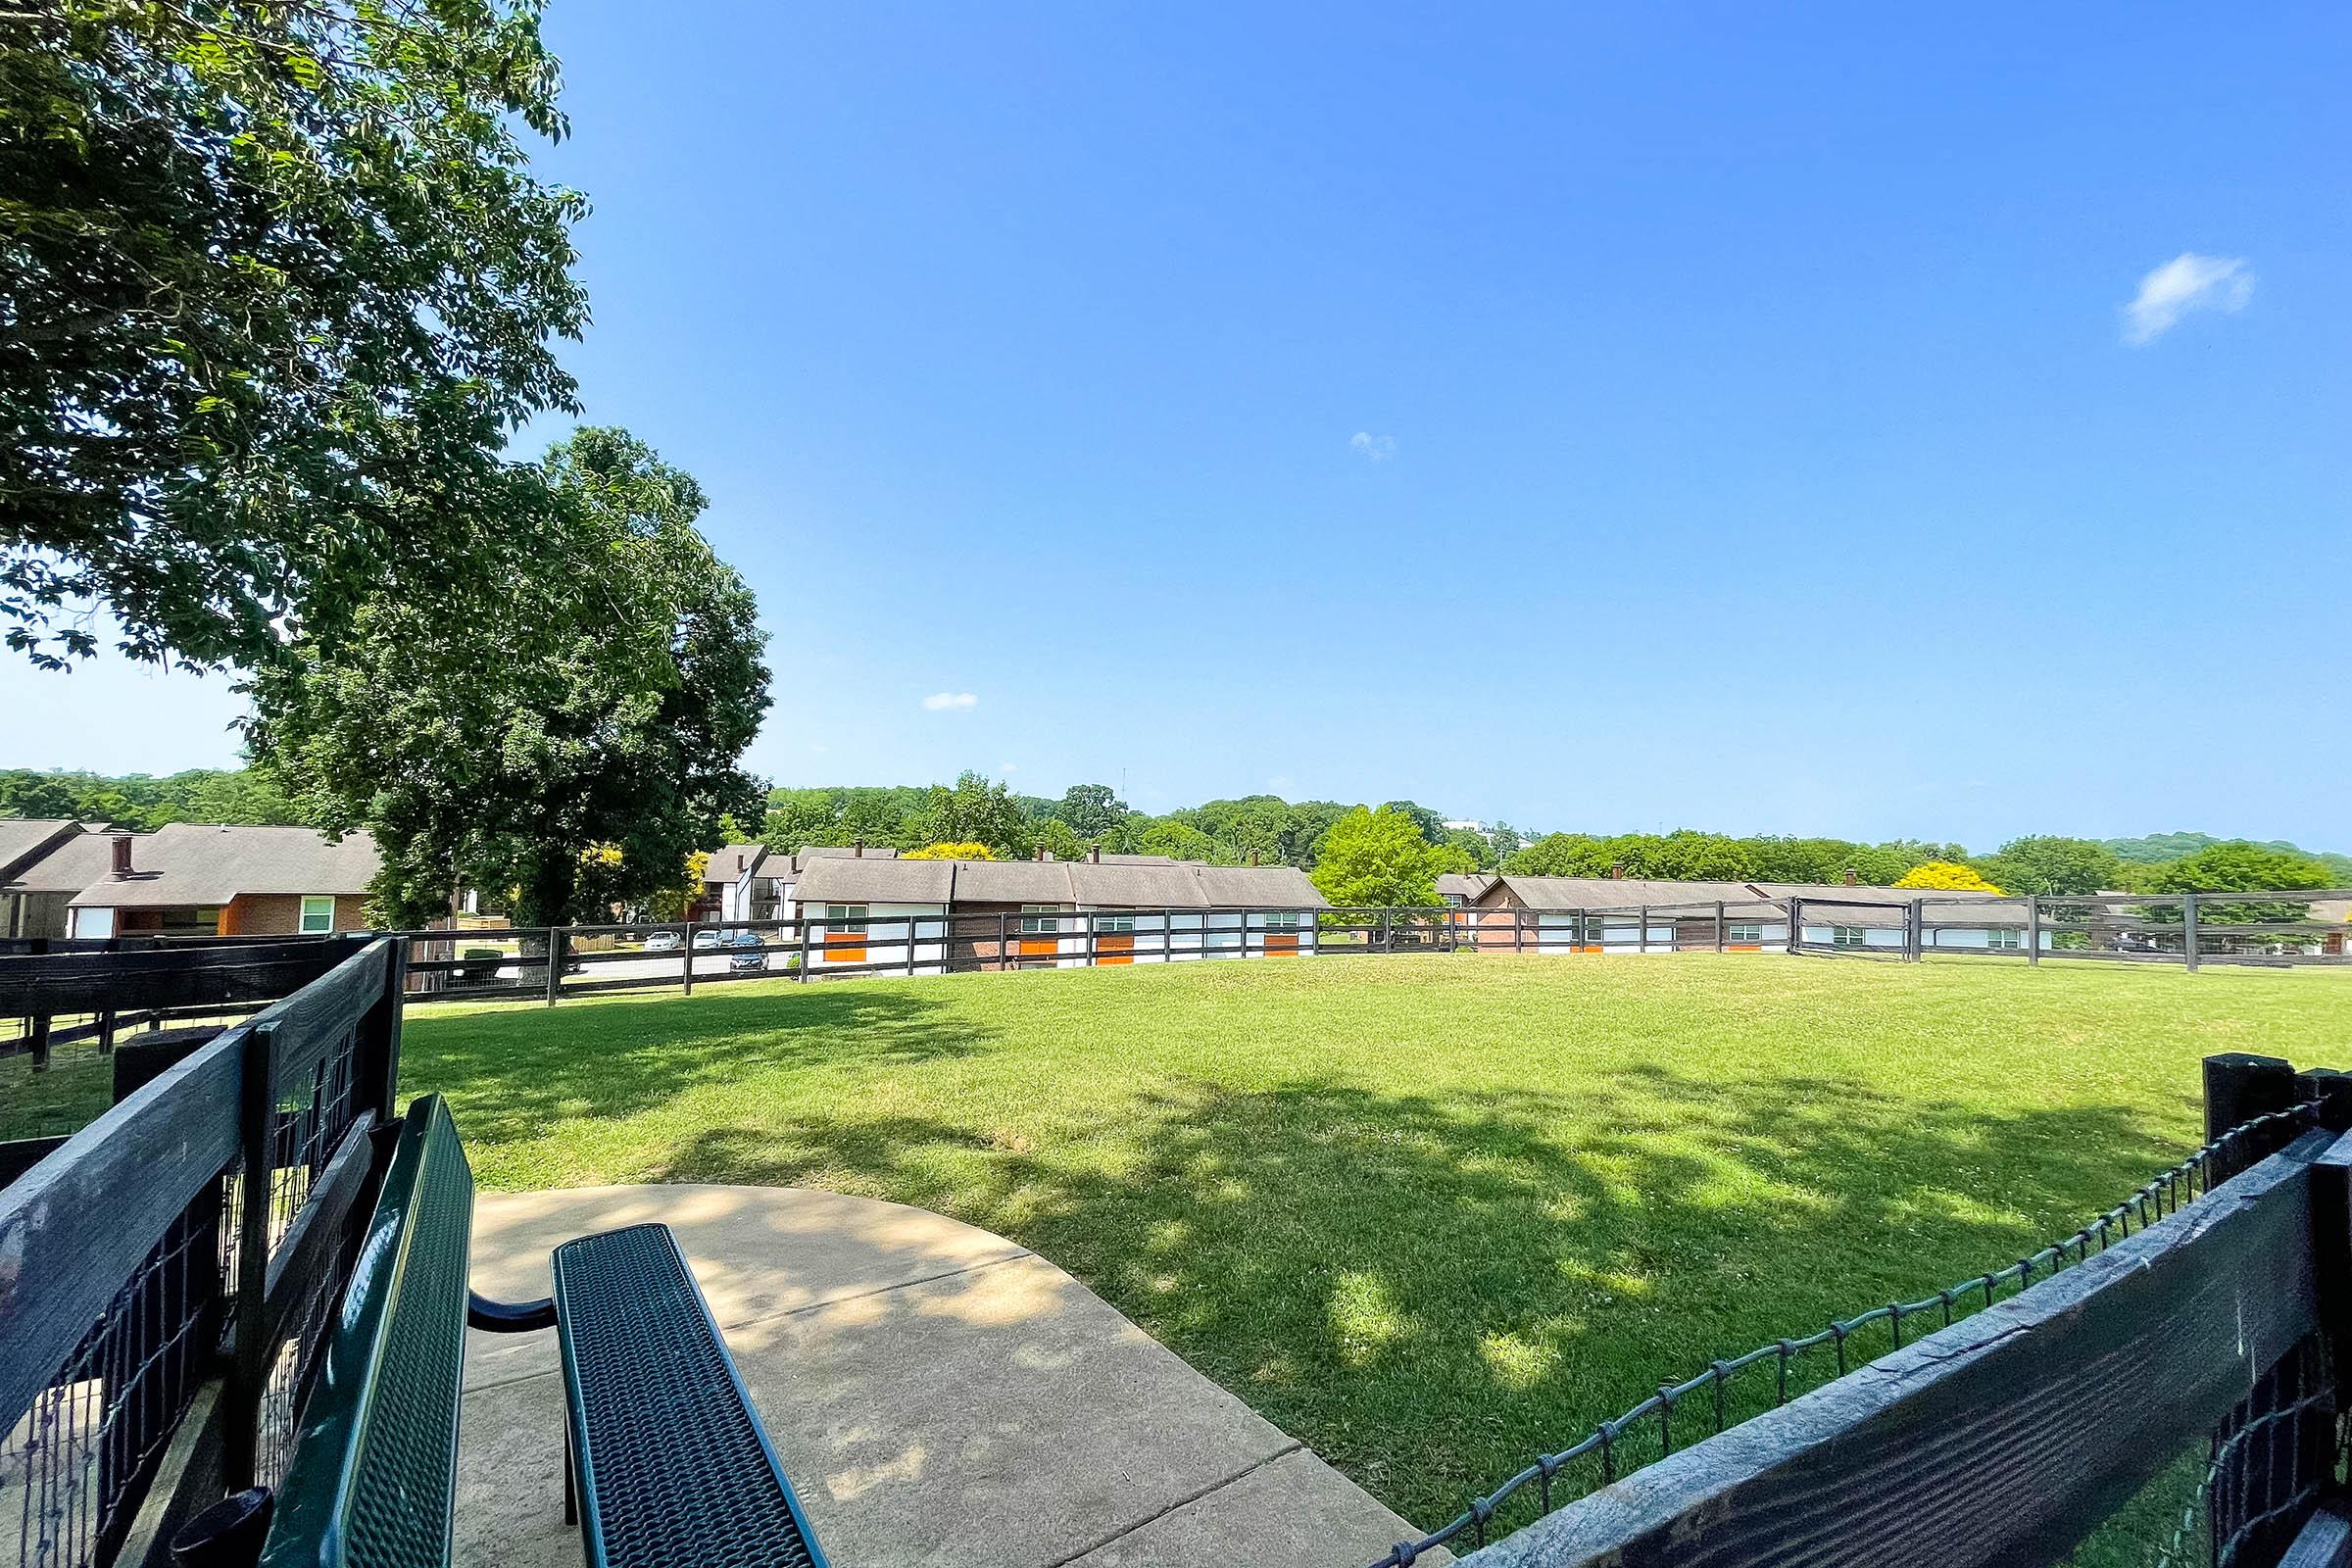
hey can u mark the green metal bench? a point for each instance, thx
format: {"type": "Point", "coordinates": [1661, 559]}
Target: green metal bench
{"type": "Point", "coordinates": [667, 1463]}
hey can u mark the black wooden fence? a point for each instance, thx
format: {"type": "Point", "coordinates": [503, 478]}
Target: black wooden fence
{"type": "Point", "coordinates": [166, 1272]}
{"type": "Point", "coordinates": [2196, 1335]}
{"type": "Point", "coordinates": [511, 963]}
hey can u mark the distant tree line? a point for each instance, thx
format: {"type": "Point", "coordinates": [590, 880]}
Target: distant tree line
{"type": "Point", "coordinates": [1391, 853]}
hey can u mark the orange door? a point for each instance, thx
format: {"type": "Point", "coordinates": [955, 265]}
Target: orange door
{"type": "Point", "coordinates": [1114, 947]}
{"type": "Point", "coordinates": [842, 947]}
{"type": "Point", "coordinates": [1282, 942]}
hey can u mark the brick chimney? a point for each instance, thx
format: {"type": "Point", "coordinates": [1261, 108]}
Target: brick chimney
{"type": "Point", "coordinates": [1616, 870]}
{"type": "Point", "coordinates": [858, 848]}
{"type": "Point", "coordinates": [121, 855]}
{"type": "Point", "coordinates": [1850, 878]}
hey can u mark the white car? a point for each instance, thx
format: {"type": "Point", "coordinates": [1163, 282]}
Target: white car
{"type": "Point", "coordinates": [708, 938]}
{"type": "Point", "coordinates": [661, 942]}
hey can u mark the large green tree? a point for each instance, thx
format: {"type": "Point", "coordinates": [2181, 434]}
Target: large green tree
{"type": "Point", "coordinates": [2239, 868]}
{"type": "Point", "coordinates": [276, 284]}
{"type": "Point", "coordinates": [1091, 809]}
{"type": "Point", "coordinates": [1378, 858]}
{"type": "Point", "coordinates": [976, 811]}
{"type": "Point", "coordinates": [565, 733]}
{"type": "Point", "coordinates": [2047, 863]}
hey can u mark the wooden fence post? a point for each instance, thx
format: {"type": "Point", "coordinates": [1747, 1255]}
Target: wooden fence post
{"type": "Point", "coordinates": [803, 942]}
{"type": "Point", "coordinates": [40, 1042]}
{"type": "Point", "coordinates": [554, 963]}
{"type": "Point", "coordinates": [2240, 1088]}
{"type": "Point", "coordinates": [910, 944]}
{"type": "Point", "coordinates": [687, 987]}
{"type": "Point", "coordinates": [378, 1056]}
{"type": "Point", "coordinates": [1720, 939]}
{"type": "Point", "coordinates": [1796, 922]}
{"type": "Point", "coordinates": [2032, 928]}
{"type": "Point", "coordinates": [1642, 914]}
{"type": "Point", "coordinates": [249, 1373]}
{"type": "Point", "coordinates": [2188, 930]}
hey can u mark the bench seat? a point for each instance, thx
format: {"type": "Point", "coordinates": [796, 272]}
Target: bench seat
{"type": "Point", "coordinates": [670, 1462]}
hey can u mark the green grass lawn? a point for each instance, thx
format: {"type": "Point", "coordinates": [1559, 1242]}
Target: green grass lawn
{"type": "Point", "coordinates": [1429, 1214]}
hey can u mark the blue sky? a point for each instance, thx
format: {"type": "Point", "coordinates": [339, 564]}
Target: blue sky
{"type": "Point", "coordinates": [1603, 419]}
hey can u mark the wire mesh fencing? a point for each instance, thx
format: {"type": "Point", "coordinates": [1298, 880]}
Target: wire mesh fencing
{"type": "Point", "coordinates": [81, 1460]}
{"type": "Point", "coordinates": [72, 1466]}
{"type": "Point", "coordinates": [1734, 1390]}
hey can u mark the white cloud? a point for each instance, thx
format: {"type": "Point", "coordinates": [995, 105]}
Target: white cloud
{"type": "Point", "coordinates": [2187, 282]}
{"type": "Point", "coordinates": [941, 701]}
{"type": "Point", "coordinates": [1375, 448]}
{"type": "Point", "coordinates": [1009, 767]}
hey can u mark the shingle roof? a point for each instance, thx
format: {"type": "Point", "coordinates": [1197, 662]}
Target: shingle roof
{"type": "Point", "coordinates": [1626, 893]}
{"type": "Point", "coordinates": [73, 864]}
{"type": "Point", "coordinates": [206, 863]}
{"type": "Point", "coordinates": [729, 861]}
{"type": "Point", "coordinates": [22, 837]}
{"type": "Point", "coordinates": [1463, 884]}
{"type": "Point", "coordinates": [841, 852]}
{"type": "Point", "coordinates": [1861, 893]}
{"type": "Point", "coordinates": [864, 879]}
{"type": "Point", "coordinates": [1012, 881]}
{"type": "Point", "coordinates": [1108, 884]}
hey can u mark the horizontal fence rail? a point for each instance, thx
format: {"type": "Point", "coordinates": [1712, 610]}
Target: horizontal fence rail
{"type": "Point", "coordinates": [512, 963]}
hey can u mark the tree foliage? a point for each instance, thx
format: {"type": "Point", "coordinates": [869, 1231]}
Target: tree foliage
{"type": "Point", "coordinates": [2239, 867]}
{"type": "Point", "coordinates": [1090, 811]}
{"type": "Point", "coordinates": [1945, 876]}
{"type": "Point", "coordinates": [2046, 863]}
{"type": "Point", "coordinates": [967, 851]}
{"type": "Point", "coordinates": [596, 691]}
{"type": "Point", "coordinates": [1377, 857]}
{"type": "Point", "coordinates": [280, 286]}
{"type": "Point", "coordinates": [143, 802]}
{"type": "Point", "coordinates": [976, 811]}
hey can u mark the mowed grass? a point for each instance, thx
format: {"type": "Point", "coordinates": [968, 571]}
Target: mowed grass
{"type": "Point", "coordinates": [1431, 1215]}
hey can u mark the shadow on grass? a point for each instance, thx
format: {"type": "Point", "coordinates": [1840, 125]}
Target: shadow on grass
{"type": "Point", "coordinates": [511, 1074]}
{"type": "Point", "coordinates": [1428, 1292]}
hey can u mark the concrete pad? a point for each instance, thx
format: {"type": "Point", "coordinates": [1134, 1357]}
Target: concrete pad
{"type": "Point", "coordinates": [755, 1251]}
{"type": "Point", "coordinates": [936, 1393]}
{"type": "Point", "coordinates": [1294, 1508]}
{"type": "Point", "coordinates": [1009, 1400]}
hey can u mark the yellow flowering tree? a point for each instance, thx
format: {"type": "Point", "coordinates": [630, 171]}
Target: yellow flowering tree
{"type": "Point", "coordinates": [1945, 876]}
{"type": "Point", "coordinates": [963, 850]}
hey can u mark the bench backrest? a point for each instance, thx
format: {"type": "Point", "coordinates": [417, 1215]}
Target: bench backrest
{"type": "Point", "coordinates": [374, 1473]}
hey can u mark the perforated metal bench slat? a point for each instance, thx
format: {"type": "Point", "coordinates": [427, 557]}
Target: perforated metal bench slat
{"type": "Point", "coordinates": [375, 1472]}
{"type": "Point", "coordinates": [675, 1469]}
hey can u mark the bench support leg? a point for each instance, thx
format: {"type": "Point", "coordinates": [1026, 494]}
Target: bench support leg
{"type": "Point", "coordinates": [571, 1495]}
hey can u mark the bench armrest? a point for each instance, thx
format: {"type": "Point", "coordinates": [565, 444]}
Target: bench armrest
{"type": "Point", "coordinates": [508, 1317]}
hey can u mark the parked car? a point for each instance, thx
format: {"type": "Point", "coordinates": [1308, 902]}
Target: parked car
{"type": "Point", "coordinates": [749, 956]}
{"type": "Point", "coordinates": [711, 939]}
{"type": "Point", "coordinates": [661, 942]}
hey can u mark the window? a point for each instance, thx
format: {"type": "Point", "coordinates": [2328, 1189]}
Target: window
{"type": "Point", "coordinates": [2007, 940]}
{"type": "Point", "coordinates": [847, 919]}
{"type": "Point", "coordinates": [319, 912]}
{"type": "Point", "coordinates": [1282, 920]}
{"type": "Point", "coordinates": [1114, 922]}
{"type": "Point", "coordinates": [1748, 931]}
{"type": "Point", "coordinates": [1037, 919]}
{"type": "Point", "coordinates": [1848, 936]}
